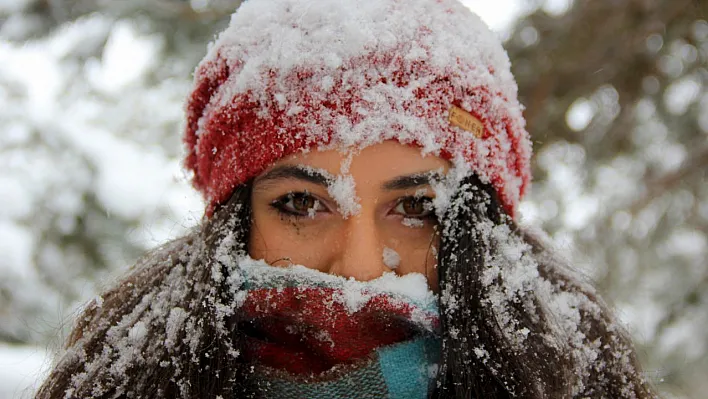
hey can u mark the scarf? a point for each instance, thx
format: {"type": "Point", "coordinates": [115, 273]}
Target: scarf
{"type": "Point", "coordinates": [311, 335]}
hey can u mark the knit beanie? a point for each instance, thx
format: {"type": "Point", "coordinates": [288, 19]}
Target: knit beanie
{"type": "Point", "coordinates": [289, 76]}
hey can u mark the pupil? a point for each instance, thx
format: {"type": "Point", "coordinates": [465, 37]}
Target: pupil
{"type": "Point", "coordinates": [413, 206]}
{"type": "Point", "coordinates": [303, 203]}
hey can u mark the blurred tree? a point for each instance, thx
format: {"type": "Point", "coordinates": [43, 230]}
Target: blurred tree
{"type": "Point", "coordinates": [617, 105]}
{"type": "Point", "coordinates": [91, 101]}
{"type": "Point", "coordinates": [91, 93]}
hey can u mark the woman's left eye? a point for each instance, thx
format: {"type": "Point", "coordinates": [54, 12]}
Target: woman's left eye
{"type": "Point", "coordinates": [415, 207]}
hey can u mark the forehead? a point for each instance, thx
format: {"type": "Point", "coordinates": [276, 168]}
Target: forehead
{"type": "Point", "coordinates": [375, 163]}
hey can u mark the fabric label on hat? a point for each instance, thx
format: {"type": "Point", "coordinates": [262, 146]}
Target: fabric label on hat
{"type": "Point", "coordinates": [464, 120]}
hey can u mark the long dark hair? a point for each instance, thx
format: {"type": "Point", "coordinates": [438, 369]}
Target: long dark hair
{"type": "Point", "coordinates": [513, 338]}
{"type": "Point", "coordinates": [169, 328]}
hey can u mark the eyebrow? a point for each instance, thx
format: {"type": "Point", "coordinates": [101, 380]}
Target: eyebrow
{"type": "Point", "coordinates": [412, 181]}
{"type": "Point", "coordinates": [314, 176]}
{"type": "Point", "coordinates": [294, 172]}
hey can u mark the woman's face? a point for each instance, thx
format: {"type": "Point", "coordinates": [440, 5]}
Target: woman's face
{"type": "Point", "coordinates": [297, 221]}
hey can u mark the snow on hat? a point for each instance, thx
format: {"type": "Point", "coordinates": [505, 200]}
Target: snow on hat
{"type": "Point", "coordinates": [290, 75]}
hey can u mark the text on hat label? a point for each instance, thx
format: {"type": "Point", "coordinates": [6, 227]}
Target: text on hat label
{"type": "Point", "coordinates": [464, 120]}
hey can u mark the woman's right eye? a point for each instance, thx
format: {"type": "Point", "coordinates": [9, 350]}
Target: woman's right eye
{"type": "Point", "coordinates": [298, 204]}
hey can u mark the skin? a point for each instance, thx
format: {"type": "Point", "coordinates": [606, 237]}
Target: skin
{"type": "Point", "coordinates": [296, 221]}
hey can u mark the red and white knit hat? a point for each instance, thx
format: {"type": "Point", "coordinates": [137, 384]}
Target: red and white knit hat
{"type": "Point", "coordinates": [290, 75]}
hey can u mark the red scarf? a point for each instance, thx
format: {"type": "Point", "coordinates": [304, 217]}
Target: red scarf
{"type": "Point", "coordinates": [307, 331]}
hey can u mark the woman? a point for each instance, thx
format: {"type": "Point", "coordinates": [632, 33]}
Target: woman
{"type": "Point", "coordinates": [380, 146]}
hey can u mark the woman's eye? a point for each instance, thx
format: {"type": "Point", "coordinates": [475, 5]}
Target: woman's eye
{"type": "Point", "coordinates": [415, 207]}
{"type": "Point", "coordinates": [299, 204]}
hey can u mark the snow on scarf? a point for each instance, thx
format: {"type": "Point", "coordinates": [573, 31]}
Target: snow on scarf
{"type": "Point", "coordinates": [310, 335]}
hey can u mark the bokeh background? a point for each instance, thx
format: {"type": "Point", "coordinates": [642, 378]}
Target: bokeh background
{"type": "Point", "coordinates": [91, 97]}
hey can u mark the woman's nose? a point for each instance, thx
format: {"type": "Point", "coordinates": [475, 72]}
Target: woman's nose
{"type": "Point", "coordinates": [360, 252]}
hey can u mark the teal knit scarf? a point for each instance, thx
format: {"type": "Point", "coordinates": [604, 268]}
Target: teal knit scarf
{"type": "Point", "coordinates": [311, 335]}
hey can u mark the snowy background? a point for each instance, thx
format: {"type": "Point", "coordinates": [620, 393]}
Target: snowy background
{"type": "Point", "coordinates": [91, 95]}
